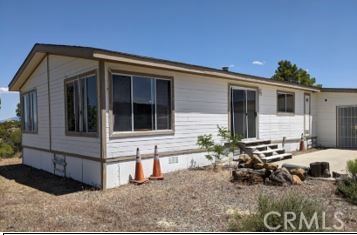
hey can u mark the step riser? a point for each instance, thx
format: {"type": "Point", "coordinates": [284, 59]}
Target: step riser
{"type": "Point", "coordinates": [264, 149]}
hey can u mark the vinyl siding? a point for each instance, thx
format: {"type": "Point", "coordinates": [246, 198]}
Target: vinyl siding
{"type": "Point", "coordinates": [38, 81]}
{"type": "Point", "coordinates": [326, 114]}
{"type": "Point", "coordinates": [62, 67]}
{"type": "Point", "coordinates": [201, 103]}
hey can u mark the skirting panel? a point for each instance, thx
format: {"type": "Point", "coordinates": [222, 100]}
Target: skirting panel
{"type": "Point", "coordinates": [119, 173]}
{"type": "Point", "coordinates": [82, 170]}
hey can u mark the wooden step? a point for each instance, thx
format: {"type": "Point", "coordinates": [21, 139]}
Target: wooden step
{"type": "Point", "coordinates": [249, 143]}
{"type": "Point", "coordinates": [278, 157]}
{"type": "Point", "coordinates": [274, 146]}
{"type": "Point", "coordinates": [270, 151]}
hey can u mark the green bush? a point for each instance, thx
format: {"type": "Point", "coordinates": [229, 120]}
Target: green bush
{"type": "Point", "coordinates": [288, 203]}
{"type": "Point", "coordinates": [352, 168]}
{"type": "Point", "coordinates": [216, 152]}
{"type": "Point", "coordinates": [6, 150]}
{"type": "Point", "coordinates": [348, 189]}
{"type": "Point", "coordinates": [15, 138]}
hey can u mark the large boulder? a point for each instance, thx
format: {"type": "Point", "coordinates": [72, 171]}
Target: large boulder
{"type": "Point", "coordinates": [280, 177]}
{"type": "Point", "coordinates": [299, 172]}
{"type": "Point", "coordinates": [244, 158]}
{"type": "Point", "coordinates": [271, 166]}
{"type": "Point", "coordinates": [296, 180]}
{"type": "Point", "coordinates": [258, 166]}
{"type": "Point", "coordinates": [256, 159]}
{"type": "Point", "coordinates": [248, 176]}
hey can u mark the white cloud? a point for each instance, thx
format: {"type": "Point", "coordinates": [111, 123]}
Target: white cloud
{"type": "Point", "coordinates": [5, 90]}
{"type": "Point", "coordinates": [258, 62]}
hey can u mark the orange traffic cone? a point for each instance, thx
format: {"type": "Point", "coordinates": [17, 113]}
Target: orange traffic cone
{"type": "Point", "coordinates": [302, 144]}
{"type": "Point", "coordinates": [156, 172]}
{"type": "Point", "coordinates": [139, 172]}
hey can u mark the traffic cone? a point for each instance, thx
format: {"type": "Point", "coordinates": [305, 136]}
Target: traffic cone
{"type": "Point", "coordinates": [302, 144]}
{"type": "Point", "coordinates": [156, 172]}
{"type": "Point", "coordinates": [139, 172]}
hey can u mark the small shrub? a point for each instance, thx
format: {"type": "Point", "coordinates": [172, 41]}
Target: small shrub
{"type": "Point", "coordinates": [15, 138]}
{"type": "Point", "coordinates": [6, 150]}
{"type": "Point", "coordinates": [288, 203]}
{"type": "Point", "coordinates": [348, 189]}
{"type": "Point", "coordinates": [352, 168]}
{"type": "Point", "coordinates": [216, 152]}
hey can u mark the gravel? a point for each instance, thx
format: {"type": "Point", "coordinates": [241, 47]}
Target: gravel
{"type": "Point", "coordinates": [189, 200]}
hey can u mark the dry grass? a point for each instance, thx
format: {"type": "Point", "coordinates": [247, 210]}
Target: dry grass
{"type": "Point", "coordinates": [195, 200]}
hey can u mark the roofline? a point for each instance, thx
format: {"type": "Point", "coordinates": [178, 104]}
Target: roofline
{"type": "Point", "coordinates": [88, 53]}
{"type": "Point", "coordinates": [345, 90]}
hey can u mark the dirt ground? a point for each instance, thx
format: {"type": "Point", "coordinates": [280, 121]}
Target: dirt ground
{"type": "Point", "coordinates": [190, 200]}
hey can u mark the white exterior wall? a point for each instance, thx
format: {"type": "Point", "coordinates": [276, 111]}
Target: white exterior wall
{"type": "Point", "coordinates": [201, 103]}
{"type": "Point", "coordinates": [274, 125]}
{"type": "Point", "coordinates": [38, 81]}
{"type": "Point", "coordinates": [82, 170]}
{"type": "Point", "coordinates": [326, 115]}
{"type": "Point", "coordinates": [62, 67]}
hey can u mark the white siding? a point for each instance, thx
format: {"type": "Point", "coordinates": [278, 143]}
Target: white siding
{"type": "Point", "coordinates": [201, 103]}
{"type": "Point", "coordinates": [61, 68]}
{"type": "Point", "coordinates": [326, 114]}
{"type": "Point", "coordinates": [38, 81]}
{"type": "Point", "coordinates": [275, 126]}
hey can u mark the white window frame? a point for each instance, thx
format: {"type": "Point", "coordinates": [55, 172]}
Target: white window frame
{"type": "Point", "coordinates": [33, 112]}
{"type": "Point", "coordinates": [83, 115]}
{"type": "Point", "coordinates": [285, 93]}
{"type": "Point", "coordinates": [120, 134]}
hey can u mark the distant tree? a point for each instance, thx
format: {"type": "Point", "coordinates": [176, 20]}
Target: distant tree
{"type": "Point", "coordinates": [18, 110]}
{"type": "Point", "coordinates": [289, 72]}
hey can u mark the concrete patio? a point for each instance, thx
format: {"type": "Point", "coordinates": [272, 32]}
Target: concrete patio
{"type": "Point", "coordinates": [336, 157]}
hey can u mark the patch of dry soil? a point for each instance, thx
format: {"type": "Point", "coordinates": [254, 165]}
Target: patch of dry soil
{"type": "Point", "coordinates": [189, 200]}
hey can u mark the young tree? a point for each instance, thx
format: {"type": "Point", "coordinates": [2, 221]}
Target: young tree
{"type": "Point", "coordinates": [289, 72]}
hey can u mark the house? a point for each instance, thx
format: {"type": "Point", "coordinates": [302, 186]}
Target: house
{"type": "Point", "coordinates": [86, 110]}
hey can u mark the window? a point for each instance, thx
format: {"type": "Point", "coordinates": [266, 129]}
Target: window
{"type": "Point", "coordinates": [141, 103]}
{"type": "Point", "coordinates": [81, 104]}
{"type": "Point", "coordinates": [286, 102]}
{"type": "Point", "coordinates": [29, 110]}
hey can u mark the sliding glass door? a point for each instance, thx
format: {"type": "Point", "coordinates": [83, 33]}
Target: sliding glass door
{"type": "Point", "coordinates": [243, 112]}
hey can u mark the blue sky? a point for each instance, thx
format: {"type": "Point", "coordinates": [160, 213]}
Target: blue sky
{"type": "Point", "coordinates": [318, 35]}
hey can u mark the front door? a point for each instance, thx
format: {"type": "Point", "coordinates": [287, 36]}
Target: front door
{"type": "Point", "coordinates": [243, 112]}
{"type": "Point", "coordinates": [307, 114]}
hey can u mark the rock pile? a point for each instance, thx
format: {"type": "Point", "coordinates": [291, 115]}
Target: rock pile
{"type": "Point", "coordinates": [252, 170]}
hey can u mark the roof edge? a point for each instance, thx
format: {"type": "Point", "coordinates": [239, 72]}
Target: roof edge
{"type": "Point", "coordinates": [88, 52]}
{"type": "Point", "coordinates": [345, 90]}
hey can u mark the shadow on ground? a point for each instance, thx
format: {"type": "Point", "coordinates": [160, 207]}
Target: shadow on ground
{"type": "Point", "coordinates": [41, 180]}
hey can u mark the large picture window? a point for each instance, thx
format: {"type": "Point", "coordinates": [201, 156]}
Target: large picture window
{"type": "Point", "coordinates": [81, 104]}
{"type": "Point", "coordinates": [141, 103]}
{"type": "Point", "coordinates": [29, 110]}
{"type": "Point", "coordinates": [286, 102]}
